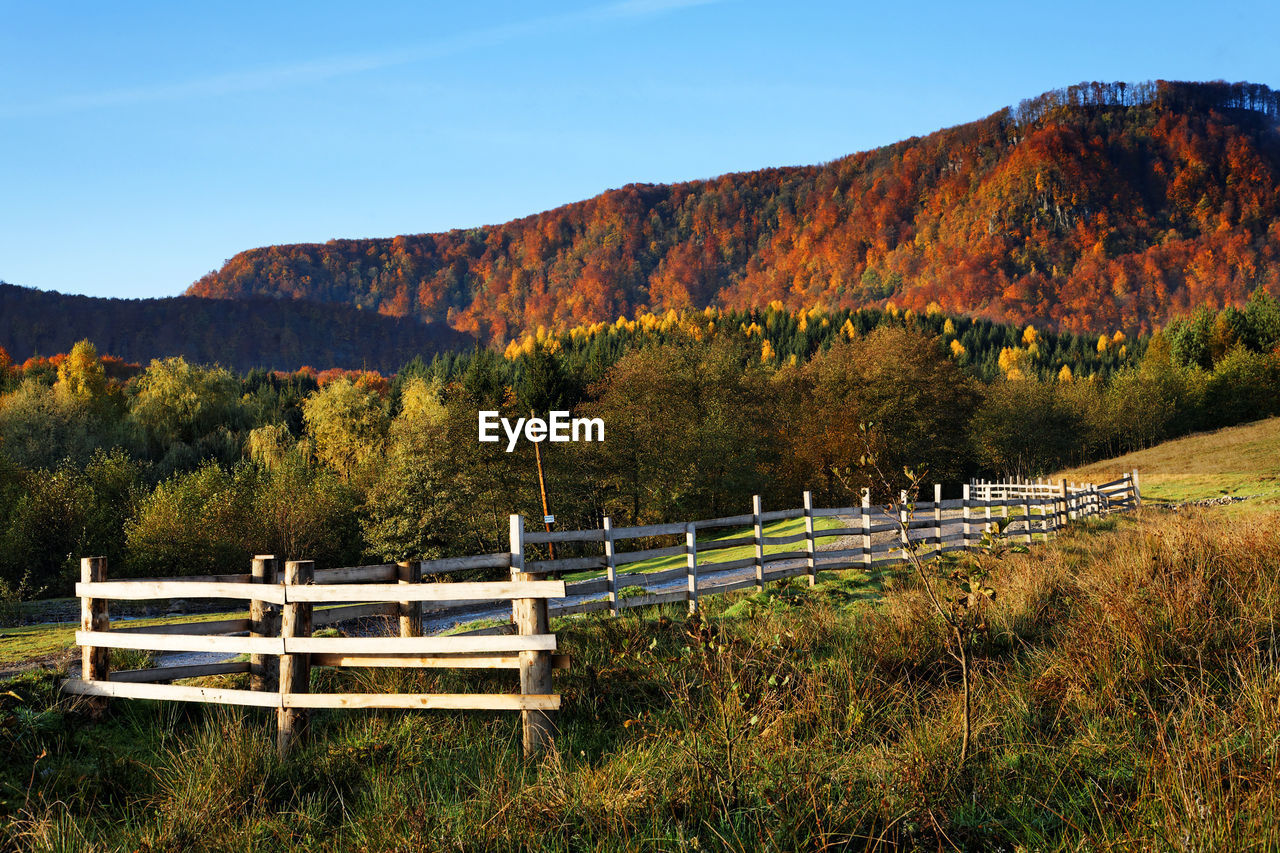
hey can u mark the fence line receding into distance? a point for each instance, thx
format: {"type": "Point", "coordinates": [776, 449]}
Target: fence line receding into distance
{"type": "Point", "coordinates": [288, 603]}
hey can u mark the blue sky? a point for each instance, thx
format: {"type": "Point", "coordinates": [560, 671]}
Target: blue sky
{"type": "Point", "coordinates": [142, 144]}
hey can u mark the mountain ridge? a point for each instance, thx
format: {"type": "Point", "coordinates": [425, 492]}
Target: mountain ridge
{"type": "Point", "coordinates": [1097, 206]}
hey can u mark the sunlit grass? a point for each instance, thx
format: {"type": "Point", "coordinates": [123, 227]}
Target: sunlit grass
{"type": "Point", "coordinates": [1239, 461]}
{"type": "Point", "coordinates": [55, 642]}
{"type": "Point", "coordinates": [1126, 699]}
{"type": "Point", "coordinates": [785, 527]}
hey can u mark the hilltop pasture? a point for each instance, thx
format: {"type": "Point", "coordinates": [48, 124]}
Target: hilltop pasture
{"type": "Point", "coordinates": [1239, 461]}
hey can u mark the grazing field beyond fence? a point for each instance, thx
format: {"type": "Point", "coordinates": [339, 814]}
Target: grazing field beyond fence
{"type": "Point", "coordinates": [289, 602]}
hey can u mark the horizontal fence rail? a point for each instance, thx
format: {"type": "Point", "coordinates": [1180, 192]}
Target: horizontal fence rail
{"type": "Point", "coordinates": [278, 637]}
{"type": "Point", "coordinates": [288, 603]}
{"type": "Point", "coordinates": [1024, 511]}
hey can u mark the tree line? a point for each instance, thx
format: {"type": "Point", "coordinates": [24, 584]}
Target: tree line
{"type": "Point", "coordinates": [241, 334]}
{"type": "Point", "coordinates": [1169, 94]}
{"type": "Point", "coordinates": [182, 468]}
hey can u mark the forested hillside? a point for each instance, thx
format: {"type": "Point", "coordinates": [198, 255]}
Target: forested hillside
{"type": "Point", "coordinates": [183, 468]}
{"type": "Point", "coordinates": [1101, 206]}
{"type": "Point", "coordinates": [244, 334]}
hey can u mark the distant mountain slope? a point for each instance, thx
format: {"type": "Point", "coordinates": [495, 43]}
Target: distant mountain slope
{"type": "Point", "coordinates": [1094, 207]}
{"type": "Point", "coordinates": [256, 332]}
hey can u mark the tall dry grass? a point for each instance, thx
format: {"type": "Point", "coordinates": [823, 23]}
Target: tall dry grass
{"type": "Point", "coordinates": [1127, 697]}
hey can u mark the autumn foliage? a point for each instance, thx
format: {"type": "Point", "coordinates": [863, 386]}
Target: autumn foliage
{"type": "Point", "coordinates": [1099, 206]}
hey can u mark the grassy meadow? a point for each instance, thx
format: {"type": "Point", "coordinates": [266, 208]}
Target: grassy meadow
{"type": "Point", "coordinates": [1241, 461]}
{"type": "Point", "coordinates": [1126, 698]}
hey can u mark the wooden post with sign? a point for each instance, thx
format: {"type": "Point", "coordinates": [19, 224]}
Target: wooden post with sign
{"type": "Point", "coordinates": [530, 616]}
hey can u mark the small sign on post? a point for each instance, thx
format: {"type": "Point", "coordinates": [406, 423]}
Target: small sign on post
{"type": "Point", "coordinates": [548, 519]}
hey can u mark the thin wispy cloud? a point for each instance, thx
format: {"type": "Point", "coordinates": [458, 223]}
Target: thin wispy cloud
{"type": "Point", "coordinates": [637, 8]}
{"type": "Point", "coordinates": [329, 68]}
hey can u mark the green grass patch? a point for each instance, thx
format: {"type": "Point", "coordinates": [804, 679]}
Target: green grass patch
{"type": "Point", "coordinates": [474, 625]}
{"type": "Point", "coordinates": [1239, 461]}
{"type": "Point", "coordinates": [54, 642]}
{"type": "Point", "coordinates": [785, 527]}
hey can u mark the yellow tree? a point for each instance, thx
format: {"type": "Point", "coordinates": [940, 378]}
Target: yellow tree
{"type": "Point", "coordinates": [1015, 362]}
{"type": "Point", "coordinates": [348, 424]}
{"type": "Point", "coordinates": [81, 374]}
{"type": "Point", "coordinates": [180, 402]}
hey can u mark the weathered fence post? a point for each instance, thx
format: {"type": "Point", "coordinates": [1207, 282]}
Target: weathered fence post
{"type": "Point", "coordinates": [1064, 504]}
{"type": "Point", "coordinates": [611, 565]}
{"type": "Point", "coordinates": [691, 560]}
{"type": "Point", "coordinates": [264, 670]}
{"type": "Point", "coordinates": [756, 512]}
{"type": "Point", "coordinates": [906, 525]}
{"type": "Point", "coordinates": [967, 522]}
{"type": "Point", "coordinates": [295, 668]}
{"type": "Point", "coordinates": [95, 661]}
{"type": "Point", "coordinates": [986, 501]}
{"type": "Point", "coordinates": [866, 529]}
{"type": "Point", "coordinates": [937, 519]}
{"type": "Point", "coordinates": [1137, 493]}
{"type": "Point", "coordinates": [810, 541]}
{"type": "Point", "coordinates": [410, 572]}
{"type": "Point", "coordinates": [530, 616]}
{"type": "Point", "coordinates": [1026, 503]}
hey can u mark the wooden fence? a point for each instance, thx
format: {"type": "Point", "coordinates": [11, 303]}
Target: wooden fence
{"type": "Point", "coordinates": [286, 607]}
{"type": "Point", "coordinates": [872, 537]}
